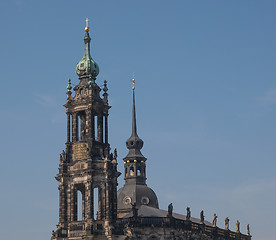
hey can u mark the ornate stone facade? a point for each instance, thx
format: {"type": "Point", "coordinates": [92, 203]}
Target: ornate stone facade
{"type": "Point", "coordinates": [88, 178]}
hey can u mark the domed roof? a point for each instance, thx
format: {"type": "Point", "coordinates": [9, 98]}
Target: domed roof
{"type": "Point", "coordinates": [87, 67]}
{"type": "Point", "coordinates": [139, 194]}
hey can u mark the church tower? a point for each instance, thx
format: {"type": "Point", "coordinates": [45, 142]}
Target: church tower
{"type": "Point", "coordinates": [87, 171]}
{"type": "Point", "coordinates": [90, 207]}
{"type": "Point", "coordinates": [135, 192]}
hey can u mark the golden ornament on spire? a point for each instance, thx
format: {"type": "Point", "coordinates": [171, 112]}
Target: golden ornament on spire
{"type": "Point", "coordinates": [87, 28]}
{"type": "Point", "coordinates": [133, 82]}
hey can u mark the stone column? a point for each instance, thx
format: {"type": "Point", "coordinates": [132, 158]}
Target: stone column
{"type": "Point", "coordinates": [92, 125]}
{"type": "Point", "coordinates": [69, 209]}
{"type": "Point", "coordinates": [61, 205]}
{"type": "Point", "coordinates": [92, 203]}
{"type": "Point", "coordinates": [74, 127]}
{"type": "Point", "coordinates": [74, 204]}
{"type": "Point", "coordinates": [106, 128]}
{"type": "Point", "coordinates": [100, 202]}
{"type": "Point", "coordinates": [83, 204]}
{"type": "Point", "coordinates": [82, 126]}
{"type": "Point", "coordinates": [88, 124]}
{"type": "Point", "coordinates": [68, 126]}
{"type": "Point", "coordinates": [107, 201]}
{"type": "Point", "coordinates": [88, 200]}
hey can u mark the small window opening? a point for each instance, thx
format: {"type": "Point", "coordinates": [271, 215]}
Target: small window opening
{"type": "Point", "coordinates": [96, 127]}
{"type": "Point", "coordinates": [96, 203]}
{"type": "Point", "coordinates": [131, 172]}
{"type": "Point", "coordinates": [81, 126]}
{"type": "Point", "coordinates": [80, 206]}
{"type": "Point", "coordinates": [78, 127]}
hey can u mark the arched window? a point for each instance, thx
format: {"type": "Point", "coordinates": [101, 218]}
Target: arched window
{"type": "Point", "coordinates": [138, 171]}
{"type": "Point", "coordinates": [96, 203]}
{"type": "Point", "coordinates": [81, 125]}
{"type": "Point", "coordinates": [131, 171]}
{"type": "Point", "coordinates": [80, 208]}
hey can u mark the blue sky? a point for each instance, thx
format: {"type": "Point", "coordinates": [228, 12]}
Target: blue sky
{"type": "Point", "coordinates": [205, 94]}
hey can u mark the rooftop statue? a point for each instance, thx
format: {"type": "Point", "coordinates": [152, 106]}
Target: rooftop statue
{"type": "Point", "coordinates": [170, 210]}
{"type": "Point", "coordinates": [248, 230]}
{"type": "Point", "coordinates": [202, 217]}
{"type": "Point", "coordinates": [215, 220]}
{"type": "Point", "coordinates": [226, 221]}
{"type": "Point", "coordinates": [188, 214]}
{"type": "Point", "coordinates": [238, 226]}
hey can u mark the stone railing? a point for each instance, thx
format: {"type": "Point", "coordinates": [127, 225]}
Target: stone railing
{"type": "Point", "coordinates": [170, 222]}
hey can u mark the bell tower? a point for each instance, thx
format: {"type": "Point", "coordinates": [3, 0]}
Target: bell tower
{"type": "Point", "coordinates": [87, 171]}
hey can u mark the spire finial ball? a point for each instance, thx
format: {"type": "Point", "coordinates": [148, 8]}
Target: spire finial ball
{"type": "Point", "coordinates": [87, 29]}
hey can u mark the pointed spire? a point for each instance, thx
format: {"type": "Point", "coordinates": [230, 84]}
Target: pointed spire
{"type": "Point", "coordinates": [134, 128]}
{"type": "Point", "coordinates": [134, 143]}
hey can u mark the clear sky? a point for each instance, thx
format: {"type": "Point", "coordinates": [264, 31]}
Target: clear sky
{"type": "Point", "coordinates": [205, 93]}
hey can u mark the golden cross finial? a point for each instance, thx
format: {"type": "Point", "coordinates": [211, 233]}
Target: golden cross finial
{"type": "Point", "coordinates": [87, 28]}
{"type": "Point", "coordinates": [133, 82]}
{"type": "Point", "coordinates": [86, 20]}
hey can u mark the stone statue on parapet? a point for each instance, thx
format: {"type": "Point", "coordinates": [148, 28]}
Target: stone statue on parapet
{"type": "Point", "coordinates": [202, 217]}
{"type": "Point", "coordinates": [215, 220]}
{"type": "Point", "coordinates": [188, 216]}
{"type": "Point", "coordinates": [62, 156]}
{"type": "Point", "coordinates": [226, 221]}
{"type": "Point", "coordinates": [238, 226]}
{"type": "Point", "coordinates": [170, 210]}
{"type": "Point", "coordinates": [248, 230]}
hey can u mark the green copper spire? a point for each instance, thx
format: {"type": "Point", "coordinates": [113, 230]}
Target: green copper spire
{"type": "Point", "coordinates": [87, 67]}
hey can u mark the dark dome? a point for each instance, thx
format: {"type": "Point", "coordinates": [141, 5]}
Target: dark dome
{"type": "Point", "coordinates": [139, 194]}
